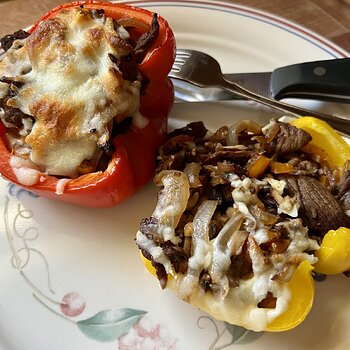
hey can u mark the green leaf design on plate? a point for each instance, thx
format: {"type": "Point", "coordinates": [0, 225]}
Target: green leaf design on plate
{"type": "Point", "coordinates": [109, 325]}
{"type": "Point", "coordinates": [241, 335]}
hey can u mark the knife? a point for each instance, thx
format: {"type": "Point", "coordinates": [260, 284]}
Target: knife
{"type": "Point", "coordinates": [327, 80]}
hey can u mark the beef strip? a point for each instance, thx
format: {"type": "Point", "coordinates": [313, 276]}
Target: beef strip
{"type": "Point", "coordinates": [11, 81]}
{"type": "Point", "coordinates": [342, 191]}
{"type": "Point", "coordinates": [147, 228]}
{"type": "Point", "coordinates": [319, 210]}
{"type": "Point", "coordinates": [8, 40]}
{"type": "Point", "coordinates": [174, 153]}
{"type": "Point", "coordinates": [288, 140]}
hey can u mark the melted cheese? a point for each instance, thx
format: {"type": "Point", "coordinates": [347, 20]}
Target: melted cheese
{"type": "Point", "coordinates": [61, 185]}
{"type": "Point", "coordinates": [26, 172]}
{"type": "Point", "coordinates": [237, 304]}
{"type": "Point", "coordinates": [71, 88]}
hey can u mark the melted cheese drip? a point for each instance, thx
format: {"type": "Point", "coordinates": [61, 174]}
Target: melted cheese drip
{"type": "Point", "coordinates": [61, 186]}
{"type": "Point", "coordinates": [26, 172]}
{"type": "Point", "coordinates": [71, 88]}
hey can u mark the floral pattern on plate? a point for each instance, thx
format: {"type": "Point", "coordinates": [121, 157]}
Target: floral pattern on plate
{"type": "Point", "coordinates": [132, 329]}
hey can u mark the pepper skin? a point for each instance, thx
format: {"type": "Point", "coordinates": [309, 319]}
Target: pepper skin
{"type": "Point", "coordinates": [334, 253]}
{"type": "Point", "coordinates": [300, 302]}
{"type": "Point", "coordinates": [302, 289]}
{"type": "Point", "coordinates": [326, 142]}
{"type": "Point", "coordinates": [132, 164]}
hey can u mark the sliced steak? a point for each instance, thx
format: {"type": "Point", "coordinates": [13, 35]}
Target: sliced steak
{"type": "Point", "coordinates": [319, 210]}
{"type": "Point", "coordinates": [288, 140]}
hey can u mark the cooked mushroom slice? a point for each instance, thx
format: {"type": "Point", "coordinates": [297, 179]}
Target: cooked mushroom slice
{"type": "Point", "coordinates": [8, 40]}
{"type": "Point", "coordinates": [146, 40]}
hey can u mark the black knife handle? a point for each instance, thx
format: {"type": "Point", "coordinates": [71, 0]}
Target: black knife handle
{"type": "Point", "coordinates": [326, 80]}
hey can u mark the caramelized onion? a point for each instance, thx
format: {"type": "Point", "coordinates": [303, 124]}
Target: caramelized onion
{"type": "Point", "coordinates": [132, 22]}
{"type": "Point", "coordinates": [263, 216]}
{"type": "Point", "coordinates": [192, 171]}
{"type": "Point", "coordinates": [172, 202]}
{"type": "Point", "coordinates": [228, 242]}
{"type": "Point", "coordinates": [243, 125]}
{"type": "Point", "coordinates": [200, 248]}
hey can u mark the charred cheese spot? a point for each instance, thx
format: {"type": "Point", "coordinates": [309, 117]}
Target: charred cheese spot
{"type": "Point", "coordinates": [70, 86]}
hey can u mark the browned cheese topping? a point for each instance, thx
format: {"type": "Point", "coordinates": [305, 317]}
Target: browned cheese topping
{"type": "Point", "coordinates": [65, 86]}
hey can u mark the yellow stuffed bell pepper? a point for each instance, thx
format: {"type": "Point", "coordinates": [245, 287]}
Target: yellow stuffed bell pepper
{"type": "Point", "coordinates": [334, 253]}
{"type": "Point", "coordinates": [301, 299]}
{"type": "Point", "coordinates": [229, 274]}
{"type": "Point", "coordinates": [300, 302]}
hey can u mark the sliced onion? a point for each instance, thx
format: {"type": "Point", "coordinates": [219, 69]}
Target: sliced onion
{"type": "Point", "coordinates": [132, 22]}
{"type": "Point", "coordinates": [257, 256]}
{"type": "Point", "coordinates": [272, 132]}
{"type": "Point", "coordinates": [228, 242]}
{"type": "Point", "coordinates": [236, 129]}
{"type": "Point", "coordinates": [172, 202]}
{"type": "Point", "coordinates": [201, 221]}
{"type": "Point", "coordinates": [192, 171]}
{"type": "Point", "coordinates": [201, 257]}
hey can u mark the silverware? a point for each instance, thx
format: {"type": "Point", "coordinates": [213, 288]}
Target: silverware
{"type": "Point", "coordinates": [204, 71]}
{"type": "Point", "coordinates": [326, 80]}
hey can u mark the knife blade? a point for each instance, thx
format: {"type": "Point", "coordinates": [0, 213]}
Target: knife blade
{"type": "Point", "coordinates": [327, 80]}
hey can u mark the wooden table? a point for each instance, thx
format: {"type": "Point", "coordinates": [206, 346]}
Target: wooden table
{"type": "Point", "coordinates": [329, 18]}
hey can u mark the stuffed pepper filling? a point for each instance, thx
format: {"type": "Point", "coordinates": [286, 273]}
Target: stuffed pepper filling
{"type": "Point", "coordinates": [238, 211]}
{"type": "Point", "coordinates": [67, 88]}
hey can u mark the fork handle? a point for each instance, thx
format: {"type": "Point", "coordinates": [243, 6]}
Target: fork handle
{"type": "Point", "coordinates": [337, 122]}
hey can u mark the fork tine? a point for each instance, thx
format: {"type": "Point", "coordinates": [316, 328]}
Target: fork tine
{"type": "Point", "coordinates": [178, 64]}
{"type": "Point", "coordinates": [180, 60]}
{"type": "Point", "coordinates": [182, 55]}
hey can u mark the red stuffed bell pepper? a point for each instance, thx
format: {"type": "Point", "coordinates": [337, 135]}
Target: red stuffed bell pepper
{"type": "Point", "coordinates": [143, 50]}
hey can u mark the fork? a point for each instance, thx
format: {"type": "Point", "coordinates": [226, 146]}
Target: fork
{"type": "Point", "coordinates": [201, 69]}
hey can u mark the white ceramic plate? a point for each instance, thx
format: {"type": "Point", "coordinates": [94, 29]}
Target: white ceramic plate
{"type": "Point", "coordinates": [50, 252]}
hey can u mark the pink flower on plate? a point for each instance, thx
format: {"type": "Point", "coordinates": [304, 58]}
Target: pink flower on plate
{"type": "Point", "coordinates": [146, 335]}
{"type": "Point", "coordinates": [72, 304]}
